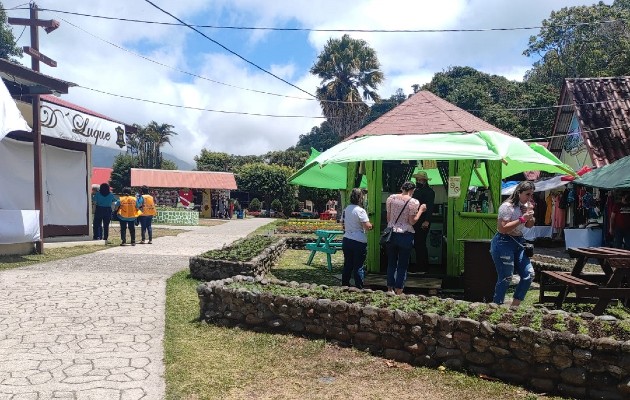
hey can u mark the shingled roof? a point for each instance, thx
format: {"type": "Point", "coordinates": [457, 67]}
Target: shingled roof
{"type": "Point", "coordinates": [425, 113]}
{"type": "Point", "coordinates": [602, 107]}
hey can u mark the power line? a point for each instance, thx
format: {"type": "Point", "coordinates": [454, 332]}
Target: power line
{"type": "Point", "coordinates": [519, 28]}
{"type": "Point", "coordinates": [228, 50]}
{"type": "Point", "coordinates": [182, 71]}
{"type": "Point", "coordinates": [198, 108]}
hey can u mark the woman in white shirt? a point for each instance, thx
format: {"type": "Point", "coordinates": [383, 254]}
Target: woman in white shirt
{"type": "Point", "coordinates": [507, 246]}
{"type": "Point", "coordinates": [402, 212]}
{"type": "Point", "coordinates": [355, 222]}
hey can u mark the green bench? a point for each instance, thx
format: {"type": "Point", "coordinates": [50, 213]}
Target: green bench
{"type": "Point", "coordinates": [325, 245]}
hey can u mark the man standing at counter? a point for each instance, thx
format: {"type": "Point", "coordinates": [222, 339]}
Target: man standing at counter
{"type": "Point", "coordinates": [425, 195]}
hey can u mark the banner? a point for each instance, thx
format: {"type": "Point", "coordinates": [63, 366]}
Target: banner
{"type": "Point", "coordinates": [10, 117]}
{"type": "Point", "coordinates": [454, 186]}
{"type": "Point", "coordinates": [68, 124]}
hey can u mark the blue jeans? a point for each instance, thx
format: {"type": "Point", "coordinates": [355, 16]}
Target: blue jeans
{"type": "Point", "coordinates": [622, 238]}
{"type": "Point", "coordinates": [509, 257]}
{"type": "Point", "coordinates": [398, 252]}
{"type": "Point", "coordinates": [145, 226]}
{"type": "Point", "coordinates": [354, 254]}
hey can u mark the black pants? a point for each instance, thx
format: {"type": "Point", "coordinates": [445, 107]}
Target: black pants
{"type": "Point", "coordinates": [420, 245]}
{"type": "Point", "coordinates": [100, 225]}
{"type": "Point", "coordinates": [123, 231]}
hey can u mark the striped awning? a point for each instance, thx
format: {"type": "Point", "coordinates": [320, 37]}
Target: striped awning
{"type": "Point", "coordinates": [159, 178]}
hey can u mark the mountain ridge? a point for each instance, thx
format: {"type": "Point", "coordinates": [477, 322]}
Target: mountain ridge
{"type": "Point", "coordinates": [104, 157]}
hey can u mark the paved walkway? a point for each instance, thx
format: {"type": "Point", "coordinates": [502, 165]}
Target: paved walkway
{"type": "Point", "coordinates": [91, 327]}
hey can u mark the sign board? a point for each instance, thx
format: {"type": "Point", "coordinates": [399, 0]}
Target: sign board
{"type": "Point", "coordinates": [454, 186]}
{"type": "Point", "coordinates": [65, 123]}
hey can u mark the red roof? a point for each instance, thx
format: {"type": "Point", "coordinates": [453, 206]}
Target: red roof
{"type": "Point", "coordinates": [159, 178]}
{"type": "Point", "coordinates": [101, 175]}
{"type": "Point", "coordinates": [425, 113]}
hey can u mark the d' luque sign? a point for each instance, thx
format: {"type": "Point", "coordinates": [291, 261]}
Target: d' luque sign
{"type": "Point", "coordinates": [65, 123]}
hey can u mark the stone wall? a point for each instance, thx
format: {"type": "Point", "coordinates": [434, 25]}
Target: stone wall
{"type": "Point", "coordinates": [177, 217]}
{"type": "Point", "coordinates": [208, 270]}
{"type": "Point", "coordinates": [553, 362]}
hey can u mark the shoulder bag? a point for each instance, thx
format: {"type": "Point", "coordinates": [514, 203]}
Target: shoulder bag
{"type": "Point", "coordinates": [386, 236]}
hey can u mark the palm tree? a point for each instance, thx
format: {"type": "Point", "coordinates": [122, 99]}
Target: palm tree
{"type": "Point", "coordinates": [148, 142]}
{"type": "Point", "coordinates": [161, 135]}
{"type": "Point", "coordinates": [347, 66]}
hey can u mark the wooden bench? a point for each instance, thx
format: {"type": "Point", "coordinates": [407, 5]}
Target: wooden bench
{"type": "Point", "coordinates": [585, 291]}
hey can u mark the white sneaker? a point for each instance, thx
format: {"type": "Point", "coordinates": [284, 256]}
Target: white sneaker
{"type": "Point", "coordinates": [390, 292]}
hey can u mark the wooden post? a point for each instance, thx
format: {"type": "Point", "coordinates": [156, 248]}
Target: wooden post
{"type": "Point", "coordinates": [34, 23]}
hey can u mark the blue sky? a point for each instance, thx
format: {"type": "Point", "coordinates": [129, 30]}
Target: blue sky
{"type": "Point", "coordinates": [406, 58]}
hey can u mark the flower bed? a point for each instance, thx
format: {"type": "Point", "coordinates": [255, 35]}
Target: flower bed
{"type": "Point", "coordinates": [250, 256]}
{"type": "Point", "coordinates": [430, 332]}
{"type": "Point", "coordinates": [306, 226]}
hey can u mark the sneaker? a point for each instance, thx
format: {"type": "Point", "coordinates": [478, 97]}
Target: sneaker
{"type": "Point", "coordinates": [133, 243]}
{"type": "Point", "coordinates": [390, 292]}
{"type": "Point", "coordinates": [122, 243]}
{"type": "Point", "coordinates": [150, 242]}
{"type": "Point", "coordinates": [142, 242]}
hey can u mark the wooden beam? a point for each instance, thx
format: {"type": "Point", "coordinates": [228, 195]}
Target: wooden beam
{"type": "Point", "coordinates": [41, 57]}
{"type": "Point", "coordinates": [35, 78]}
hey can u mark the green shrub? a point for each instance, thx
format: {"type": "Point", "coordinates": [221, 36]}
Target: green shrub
{"type": "Point", "coordinates": [241, 250]}
{"type": "Point", "coordinates": [276, 205]}
{"type": "Point", "coordinates": [254, 205]}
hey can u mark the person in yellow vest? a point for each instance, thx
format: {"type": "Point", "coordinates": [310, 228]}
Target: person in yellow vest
{"type": "Point", "coordinates": [127, 206]}
{"type": "Point", "coordinates": [147, 205]}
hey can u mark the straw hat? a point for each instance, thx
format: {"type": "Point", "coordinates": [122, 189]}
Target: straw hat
{"type": "Point", "coordinates": [421, 175]}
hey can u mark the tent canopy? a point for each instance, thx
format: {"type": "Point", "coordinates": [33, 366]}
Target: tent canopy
{"type": "Point", "coordinates": [516, 155]}
{"type": "Point", "coordinates": [611, 176]}
{"type": "Point", "coordinates": [331, 176]}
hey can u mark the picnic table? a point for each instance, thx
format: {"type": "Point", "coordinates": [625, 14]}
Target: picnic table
{"type": "Point", "coordinates": [324, 243]}
{"type": "Point", "coordinates": [597, 288]}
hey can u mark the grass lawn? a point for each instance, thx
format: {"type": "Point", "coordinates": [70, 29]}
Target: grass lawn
{"type": "Point", "coordinates": [57, 253]}
{"type": "Point", "coordinates": [209, 362]}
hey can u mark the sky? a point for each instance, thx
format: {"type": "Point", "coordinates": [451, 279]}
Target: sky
{"type": "Point", "coordinates": [178, 66]}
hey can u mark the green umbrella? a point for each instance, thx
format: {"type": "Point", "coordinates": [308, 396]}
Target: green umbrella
{"type": "Point", "coordinates": [331, 176]}
{"type": "Point", "coordinates": [611, 176]}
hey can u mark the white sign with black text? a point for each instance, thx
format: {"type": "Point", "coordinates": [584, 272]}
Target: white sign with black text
{"type": "Point", "coordinates": [68, 124]}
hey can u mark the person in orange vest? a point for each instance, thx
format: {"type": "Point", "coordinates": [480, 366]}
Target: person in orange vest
{"type": "Point", "coordinates": [147, 205]}
{"type": "Point", "coordinates": [127, 206]}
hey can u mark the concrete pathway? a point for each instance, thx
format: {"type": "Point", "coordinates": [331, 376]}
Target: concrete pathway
{"type": "Point", "coordinates": [91, 327]}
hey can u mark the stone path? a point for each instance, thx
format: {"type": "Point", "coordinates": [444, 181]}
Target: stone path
{"type": "Point", "coordinates": [91, 327]}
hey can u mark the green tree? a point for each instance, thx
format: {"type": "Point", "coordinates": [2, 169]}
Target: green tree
{"type": "Point", "coordinates": [289, 158]}
{"type": "Point", "coordinates": [121, 172]}
{"type": "Point", "coordinates": [267, 182]}
{"type": "Point", "coordinates": [147, 143]}
{"type": "Point", "coordinates": [214, 161]}
{"type": "Point", "coordinates": [575, 42]}
{"type": "Point", "coordinates": [168, 164]}
{"type": "Point", "coordinates": [320, 138]}
{"type": "Point", "coordinates": [497, 100]}
{"type": "Point", "coordinates": [347, 66]}
{"type": "Point", "coordinates": [8, 48]}
{"type": "Point", "coordinates": [276, 205]}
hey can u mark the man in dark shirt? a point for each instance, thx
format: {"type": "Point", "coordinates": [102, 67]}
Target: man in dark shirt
{"type": "Point", "coordinates": [425, 195]}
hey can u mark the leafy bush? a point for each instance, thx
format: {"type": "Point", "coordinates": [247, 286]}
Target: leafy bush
{"type": "Point", "coordinates": [241, 250]}
{"type": "Point", "coordinates": [307, 226]}
{"type": "Point", "coordinates": [276, 205]}
{"type": "Point", "coordinates": [254, 205]}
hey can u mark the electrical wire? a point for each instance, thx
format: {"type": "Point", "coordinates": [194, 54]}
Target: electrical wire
{"type": "Point", "coordinates": [228, 50]}
{"type": "Point", "coordinates": [182, 71]}
{"type": "Point", "coordinates": [197, 108]}
{"type": "Point", "coordinates": [465, 30]}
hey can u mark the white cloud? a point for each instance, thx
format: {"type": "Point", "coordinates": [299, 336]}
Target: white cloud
{"type": "Point", "coordinates": [406, 58]}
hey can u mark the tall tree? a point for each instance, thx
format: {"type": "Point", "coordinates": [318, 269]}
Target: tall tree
{"type": "Point", "coordinates": [121, 172]}
{"type": "Point", "coordinates": [581, 41]}
{"type": "Point", "coordinates": [267, 182]}
{"type": "Point", "coordinates": [381, 107]}
{"type": "Point", "coordinates": [8, 48]}
{"type": "Point", "coordinates": [289, 158]}
{"type": "Point", "coordinates": [350, 73]}
{"type": "Point", "coordinates": [147, 143]}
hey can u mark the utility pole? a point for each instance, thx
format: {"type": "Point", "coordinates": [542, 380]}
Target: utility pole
{"type": "Point", "coordinates": [33, 50]}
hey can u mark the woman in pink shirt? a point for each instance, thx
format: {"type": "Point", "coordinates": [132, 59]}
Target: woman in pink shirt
{"type": "Point", "coordinates": [402, 212]}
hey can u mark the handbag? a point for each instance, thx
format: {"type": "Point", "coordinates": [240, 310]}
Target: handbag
{"type": "Point", "coordinates": [386, 236]}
